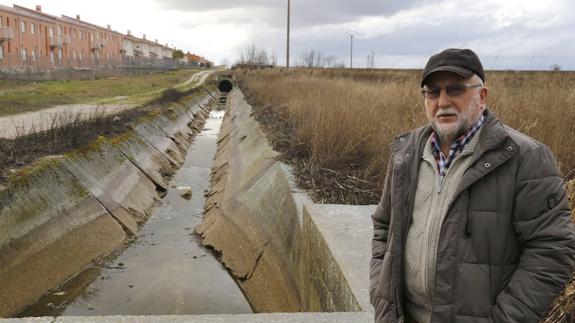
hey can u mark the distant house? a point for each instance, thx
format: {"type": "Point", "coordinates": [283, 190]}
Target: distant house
{"type": "Point", "coordinates": [196, 60]}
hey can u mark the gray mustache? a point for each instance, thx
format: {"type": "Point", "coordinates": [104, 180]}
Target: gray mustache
{"type": "Point", "coordinates": [445, 112]}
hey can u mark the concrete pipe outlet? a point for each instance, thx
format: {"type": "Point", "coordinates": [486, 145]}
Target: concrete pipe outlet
{"type": "Point", "coordinates": [225, 85]}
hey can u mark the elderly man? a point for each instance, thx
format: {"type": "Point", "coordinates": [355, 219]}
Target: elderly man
{"type": "Point", "coordinates": [474, 223]}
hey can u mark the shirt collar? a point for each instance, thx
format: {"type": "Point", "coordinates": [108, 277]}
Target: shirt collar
{"type": "Point", "coordinates": [458, 144]}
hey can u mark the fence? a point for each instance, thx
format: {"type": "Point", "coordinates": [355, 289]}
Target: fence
{"type": "Point", "coordinates": [14, 67]}
{"type": "Point", "coordinates": [30, 63]}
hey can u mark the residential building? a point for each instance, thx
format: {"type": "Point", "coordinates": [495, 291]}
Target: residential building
{"type": "Point", "coordinates": [31, 38]}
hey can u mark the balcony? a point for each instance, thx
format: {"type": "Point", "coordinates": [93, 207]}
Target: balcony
{"type": "Point", "coordinates": [55, 42]}
{"type": "Point", "coordinates": [66, 39]}
{"type": "Point", "coordinates": [98, 44]}
{"type": "Point", "coordinates": [6, 33]}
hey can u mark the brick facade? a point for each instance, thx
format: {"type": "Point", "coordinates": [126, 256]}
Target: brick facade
{"type": "Point", "coordinates": [32, 38]}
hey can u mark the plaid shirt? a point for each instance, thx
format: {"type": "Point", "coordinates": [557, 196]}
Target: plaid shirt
{"type": "Point", "coordinates": [456, 147]}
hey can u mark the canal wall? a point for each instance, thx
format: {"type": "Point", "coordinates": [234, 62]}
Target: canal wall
{"type": "Point", "coordinates": [287, 253]}
{"type": "Point", "coordinates": [61, 213]}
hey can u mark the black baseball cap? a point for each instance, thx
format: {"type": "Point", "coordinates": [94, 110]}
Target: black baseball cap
{"type": "Point", "coordinates": [463, 62]}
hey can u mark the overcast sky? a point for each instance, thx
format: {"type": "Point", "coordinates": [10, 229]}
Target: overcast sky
{"type": "Point", "coordinates": [507, 34]}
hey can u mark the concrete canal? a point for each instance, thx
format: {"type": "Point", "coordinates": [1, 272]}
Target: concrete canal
{"type": "Point", "coordinates": [164, 271]}
{"type": "Point", "coordinates": [285, 252]}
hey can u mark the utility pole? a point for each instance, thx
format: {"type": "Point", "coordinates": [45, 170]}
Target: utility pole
{"type": "Point", "coordinates": [351, 52]}
{"type": "Point", "coordinates": [288, 27]}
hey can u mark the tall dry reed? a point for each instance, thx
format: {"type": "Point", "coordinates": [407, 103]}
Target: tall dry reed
{"type": "Point", "coordinates": [345, 119]}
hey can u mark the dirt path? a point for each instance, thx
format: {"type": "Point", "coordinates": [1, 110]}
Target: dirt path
{"type": "Point", "coordinates": [24, 123]}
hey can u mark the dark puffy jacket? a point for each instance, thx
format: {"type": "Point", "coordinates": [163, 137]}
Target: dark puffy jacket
{"type": "Point", "coordinates": [507, 244]}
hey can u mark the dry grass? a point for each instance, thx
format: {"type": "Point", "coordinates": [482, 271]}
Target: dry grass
{"type": "Point", "coordinates": [18, 96]}
{"type": "Point", "coordinates": [342, 121]}
{"type": "Point", "coordinates": [67, 131]}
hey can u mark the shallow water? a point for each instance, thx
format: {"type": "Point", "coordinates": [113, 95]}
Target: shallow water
{"type": "Point", "coordinates": [164, 271]}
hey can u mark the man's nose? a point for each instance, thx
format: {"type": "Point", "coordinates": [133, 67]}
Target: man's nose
{"type": "Point", "coordinates": [444, 100]}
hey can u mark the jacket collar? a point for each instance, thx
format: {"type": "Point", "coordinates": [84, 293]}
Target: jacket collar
{"type": "Point", "coordinates": [493, 134]}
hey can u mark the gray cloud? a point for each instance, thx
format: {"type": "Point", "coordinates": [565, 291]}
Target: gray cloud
{"type": "Point", "coordinates": [401, 33]}
{"type": "Point", "coordinates": [304, 13]}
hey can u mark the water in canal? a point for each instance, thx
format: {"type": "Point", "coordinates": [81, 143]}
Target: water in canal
{"type": "Point", "coordinates": [164, 271]}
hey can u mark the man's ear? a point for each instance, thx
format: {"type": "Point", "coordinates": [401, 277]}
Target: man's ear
{"type": "Point", "coordinates": [483, 95]}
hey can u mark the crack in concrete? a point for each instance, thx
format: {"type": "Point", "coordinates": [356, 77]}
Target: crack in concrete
{"type": "Point", "coordinates": [258, 259]}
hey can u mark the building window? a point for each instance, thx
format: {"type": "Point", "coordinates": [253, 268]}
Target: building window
{"type": "Point", "coordinates": [52, 57]}
{"type": "Point", "coordinates": [32, 28]}
{"type": "Point", "coordinates": [60, 56]}
{"type": "Point", "coordinates": [80, 35]}
{"type": "Point", "coordinates": [51, 32]}
{"type": "Point", "coordinates": [24, 54]}
{"type": "Point", "coordinates": [22, 26]}
{"type": "Point", "coordinates": [59, 30]}
{"type": "Point", "coordinates": [74, 55]}
{"type": "Point", "coordinates": [34, 55]}
{"type": "Point", "coordinates": [1, 52]}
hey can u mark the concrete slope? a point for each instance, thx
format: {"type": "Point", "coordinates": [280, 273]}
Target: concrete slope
{"type": "Point", "coordinates": [286, 253]}
{"type": "Point", "coordinates": [50, 227]}
{"type": "Point", "coordinates": [61, 213]}
{"type": "Point", "coordinates": [235, 227]}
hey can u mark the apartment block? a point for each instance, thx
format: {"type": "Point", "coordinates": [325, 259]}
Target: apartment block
{"type": "Point", "coordinates": [33, 38]}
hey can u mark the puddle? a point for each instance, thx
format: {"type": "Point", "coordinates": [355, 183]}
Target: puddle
{"type": "Point", "coordinates": [164, 271]}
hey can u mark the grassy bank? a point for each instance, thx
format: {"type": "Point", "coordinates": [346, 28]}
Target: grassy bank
{"type": "Point", "coordinates": [335, 125]}
{"type": "Point", "coordinates": [71, 131]}
{"type": "Point", "coordinates": [18, 97]}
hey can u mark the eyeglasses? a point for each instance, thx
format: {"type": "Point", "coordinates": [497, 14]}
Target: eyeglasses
{"type": "Point", "coordinates": [453, 90]}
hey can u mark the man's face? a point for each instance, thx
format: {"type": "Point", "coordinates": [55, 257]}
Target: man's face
{"type": "Point", "coordinates": [451, 115]}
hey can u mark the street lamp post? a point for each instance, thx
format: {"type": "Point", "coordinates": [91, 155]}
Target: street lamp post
{"type": "Point", "coordinates": [351, 52]}
{"type": "Point", "coordinates": [288, 30]}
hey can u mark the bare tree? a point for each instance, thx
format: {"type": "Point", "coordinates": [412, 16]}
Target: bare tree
{"type": "Point", "coordinates": [254, 55]}
{"type": "Point", "coordinates": [274, 59]}
{"type": "Point", "coordinates": [555, 67]}
{"type": "Point", "coordinates": [339, 64]}
{"type": "Point", "coordinates": [307, 59]}
{"type": "Point", "coordinates": [330, 60]}
{"type": "Point", "coordinates": [316, 59]}
{"type": "Point", "coordinates": [371, 60]}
